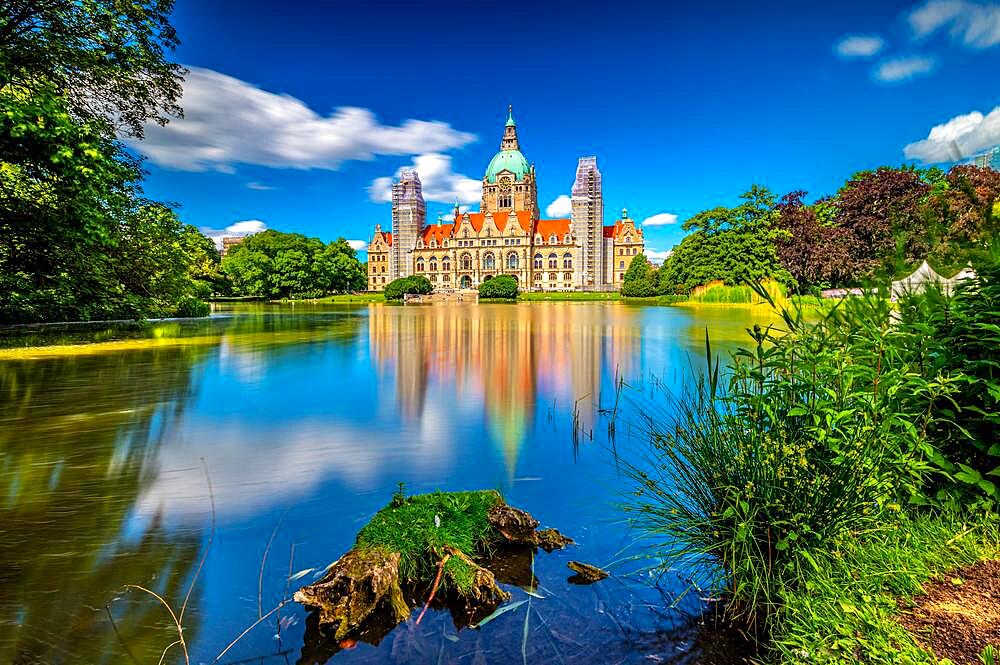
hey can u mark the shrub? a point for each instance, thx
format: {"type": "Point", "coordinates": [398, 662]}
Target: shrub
{"type": "Point", "coordinates": [190, 307]}
{"type": "Point", "coordinates": [640, 280]}
{"type": "Point", "coordinates": [804, 443]}
{"type": "Point", "coordinates": [417, 284]}
{"type": "Point", "coordinates": [502, 286]}
{"type": "Point", "coordinates": [956, 340]}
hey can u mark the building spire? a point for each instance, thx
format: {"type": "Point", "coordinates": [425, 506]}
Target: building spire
{"type": "Point", "coordinates": [509, 140]}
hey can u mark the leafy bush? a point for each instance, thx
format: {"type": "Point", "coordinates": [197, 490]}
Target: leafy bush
{"type": "Point", "coordinates": [640, 280]}
{"type": "Point", "coordinates": [190, 307]}
{"type": "Point", "coordinates": [501, 286]}
{"type": "Point", "coordinates": [956, 340]}
{"type": "Point", "coordinates": [417, 284]}
{"type": "Point", "coordinates": [804, 443]}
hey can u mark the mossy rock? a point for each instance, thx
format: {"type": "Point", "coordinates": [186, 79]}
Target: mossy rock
{"type": "Point", "coordinates": [417, 545]}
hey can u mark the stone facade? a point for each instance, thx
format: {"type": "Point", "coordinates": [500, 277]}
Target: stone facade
{"type": "Point", "coordinates": [623, 241]}
{"type": "Point", "coordinates": [506, 236]}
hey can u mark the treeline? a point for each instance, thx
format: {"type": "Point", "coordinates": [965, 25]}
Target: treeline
{"type": "Point", "coordinates": [283, 265]}
{"type": "Point", "coordinates": [79, 239]}
{"type": "Point", "coordinates": [880, 224]}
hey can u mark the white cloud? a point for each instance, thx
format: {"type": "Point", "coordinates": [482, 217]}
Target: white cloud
{"type": "Point", "coordinates": [859, 46]}
{"type": "Point", "coordinates": [358, 245]}
{"type": "Point", "coordinates": [895, 70]}
{"type": "Point", "coordinates": [228, 121]}
{"type": "Point", "coordinates": [960, 137]}
{"type": "Point", "coordinates": [439, 182]}
{"type": "Point", "coordinates": [662, 219]}
{"type": "Point", "coordinates": [561, 207]}
{"type": "Point", "coordinates": [259, 187]}
{"type": "Point", "coordinates": [236, 230]}
{"type": "Point", "coordinates": [974, 25]}
{"type": "Point", "coordinates": [656, 257]}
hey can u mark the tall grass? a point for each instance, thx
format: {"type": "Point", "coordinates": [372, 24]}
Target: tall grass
{"type": "Point", "coordinates": [718, 293]}
{"type": "Point", "coordinates": [797, 444]}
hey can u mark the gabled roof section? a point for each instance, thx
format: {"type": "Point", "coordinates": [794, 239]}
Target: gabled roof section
{"type": "Point", "coordinates": [439, 232]}
{"type": "Point", "coordinates": [387, 237]}
{"type": "Point", "coordinates": [500, 219]}
{"type": "Point", "coordinates": [547, 227]}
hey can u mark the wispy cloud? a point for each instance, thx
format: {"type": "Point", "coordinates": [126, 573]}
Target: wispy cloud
{"type": "Point", "coordinates": [661, 219]}
{"type": "Point", "coordinates": [858, 46]}
{"type": "Point", "coordinates": [657, 257]}
{"type": "Point", "coordinates": [358, 245]}
{"type": "Point", "coordinates": [561, 207]}
{"type": "Point", "coordinates": [235, 230]}
{"type": "Point", "coordinates": [958, 138]}
{"type": "Point", "coordinates": [228, 122]}
{"type": "Point", "coordinates": [904, 68]}
{"type": "Point", "coordinates": [259, 187]}
{"type": "Point", "coordinates": [439, 182]}
{"type": "Point", "coordinates": [974, 25]}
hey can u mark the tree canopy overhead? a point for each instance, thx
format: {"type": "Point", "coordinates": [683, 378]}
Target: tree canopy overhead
{"type": "Point", "coordinates": [107, 58]}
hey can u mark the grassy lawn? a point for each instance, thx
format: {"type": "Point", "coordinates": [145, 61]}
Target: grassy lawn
{"type": "Point", "coordinates": [847, 606]}
{"type": "Point", "coordinates": [569, 295]}
{"type": "Point", "coordinates": [353, 298]}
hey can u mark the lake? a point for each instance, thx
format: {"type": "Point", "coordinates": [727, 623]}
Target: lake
{"type": "Point", "coordinates": [306, 418]}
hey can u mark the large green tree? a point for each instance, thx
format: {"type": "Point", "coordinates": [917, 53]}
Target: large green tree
{"type": "Point", "coordinates": [78, 238]}
{"type": "Point", "coordinates": [273, 264]}
{"type": "Point", "coordinates": [734, 245]}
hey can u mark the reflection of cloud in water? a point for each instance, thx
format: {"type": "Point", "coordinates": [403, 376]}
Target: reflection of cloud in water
{"type": "Point", "coordinates": [245, 365]}
{"type": "Point", "coordinates": [257, 468]}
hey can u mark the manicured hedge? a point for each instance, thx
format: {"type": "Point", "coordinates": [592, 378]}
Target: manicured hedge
{"type": "Point", "coordinates": [502, 286]}
{"type": "Point", "coordinates": [397, 288]}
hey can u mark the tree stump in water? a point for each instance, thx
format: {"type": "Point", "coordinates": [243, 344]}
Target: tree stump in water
{"type": "Point", "coordinates": [412, 547]}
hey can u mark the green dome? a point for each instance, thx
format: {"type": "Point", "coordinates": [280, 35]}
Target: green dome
{"type": "Point", "coordinates": [508, 160]}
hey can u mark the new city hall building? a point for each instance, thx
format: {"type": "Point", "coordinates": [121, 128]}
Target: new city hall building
{"type": "Point", "coordinates": [507, 235]}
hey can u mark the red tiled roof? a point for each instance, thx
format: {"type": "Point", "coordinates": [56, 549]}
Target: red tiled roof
{"type": "Point", "coordinates": [437, 232]}
{"type": "Point", "coordinates": [477, 219]}
{"type": "Point", "coordinates": [547, 227]}
{"type": "Point", "coordinates": [610, 231]}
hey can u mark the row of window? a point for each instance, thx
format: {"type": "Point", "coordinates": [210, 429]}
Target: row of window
{"type": "Point", "coordinates": [628, 251]}
{"type": "Point", "coordinates": [492, 242]}
{"type": "Point", "coordinates": [489, 262]}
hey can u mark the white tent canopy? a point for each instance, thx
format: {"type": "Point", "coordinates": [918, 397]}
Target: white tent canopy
{"type": "Point", "coordinates": [924, 275]}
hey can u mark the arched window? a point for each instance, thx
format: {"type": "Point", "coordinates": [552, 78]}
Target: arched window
{"type": "Point", "coordinates": [446, 264]}
{"type": "Point", "coordinates": [538, 260]}
{"type": "Point", "coordinates": [567, 261]}
{"type": "Point", "coordinates": [552, 277]}
{"type": "Point", "coordinates": [512, 261]}
{"type": "Point", "coordinates": [621, 265]}
{"type": "Point", "coordinates": [434, 265]}
{"type": "Point", "coordinates": [552, 239]}
{"type": "Point", "coordinates": [420, 265]}
{"type": "Point", "coordinates": [488, 262]}
{"type": "Point", "coordinates": [537, 277]}
{"type": "Point", "coordinates": [434, 244]}
{"type": "Point", "coordinates": [465, 282]}
{"type": "Point", "coordinates": [505, 200]}
{"type": "Point", "coordinates": [568, 276]}
{"type": "Point", "coordinates": [466, 261]}
{"type": "Point", "coordinates": [628, 239]}
{"type": "Point", "coordinates": [568, 239]}
{"type": "Point", "coordinates": [553, 261]}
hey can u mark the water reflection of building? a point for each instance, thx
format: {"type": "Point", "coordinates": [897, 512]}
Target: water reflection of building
{"type": "Point", "coordinates": [501, 358]}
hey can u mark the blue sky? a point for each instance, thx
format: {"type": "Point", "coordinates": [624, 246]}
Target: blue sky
{"type": "Point", "coordinates": [296, 110]}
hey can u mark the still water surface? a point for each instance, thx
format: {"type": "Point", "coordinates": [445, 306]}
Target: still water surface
{"type": "Point", "coordinates": [309, 416]}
